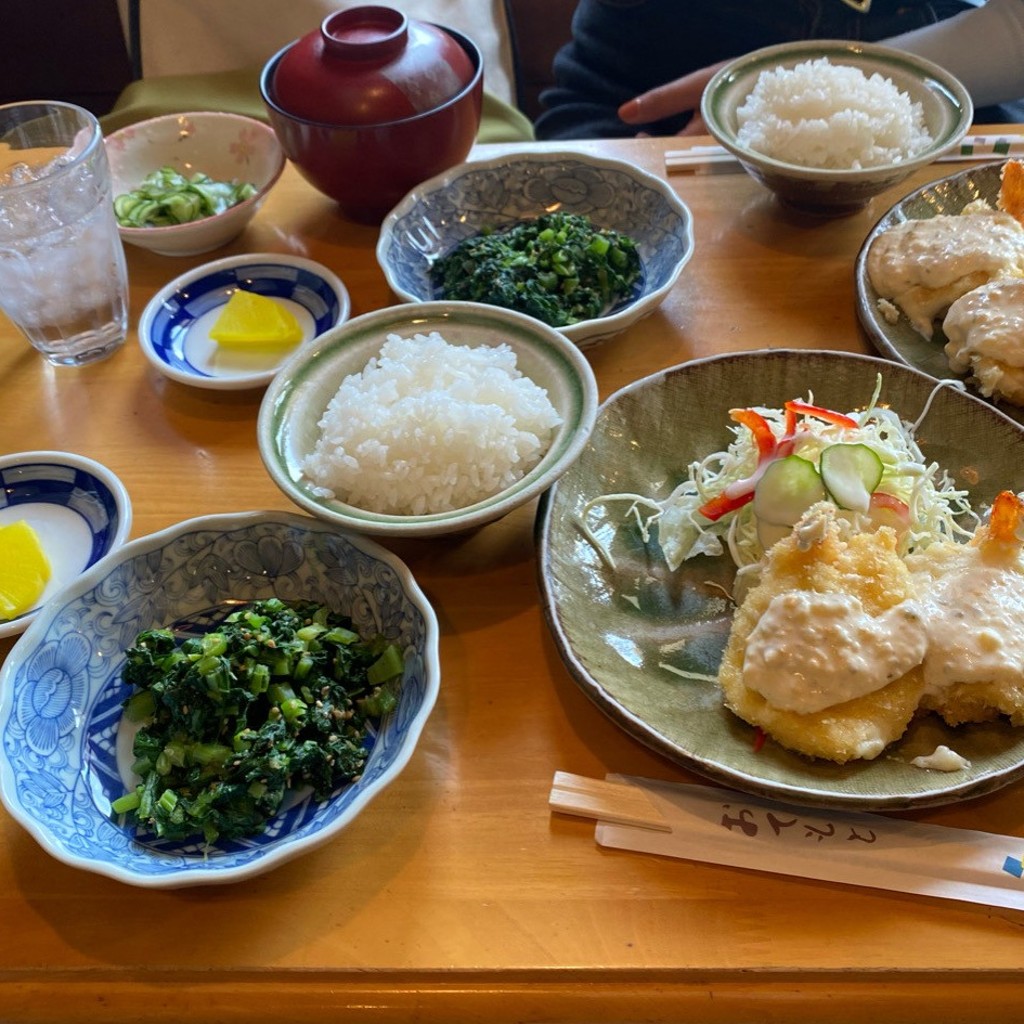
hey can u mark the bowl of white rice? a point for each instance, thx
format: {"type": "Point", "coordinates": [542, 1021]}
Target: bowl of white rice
{"type": "Point", "coordinates": [827, 125]}
{"type": "Point", "coordinates": [426, 418]}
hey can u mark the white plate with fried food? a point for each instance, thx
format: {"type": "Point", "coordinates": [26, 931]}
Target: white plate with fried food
{"type": "Point", "coordinates": [645, 639]}
{"type": "Point", "coordinates": [957, 242]}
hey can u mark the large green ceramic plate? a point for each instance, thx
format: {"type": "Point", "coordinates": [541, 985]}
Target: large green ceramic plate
{"type": "Point", "coordinates": [622, 631]}
{"type": "Point", "coordinates": [899, 341]}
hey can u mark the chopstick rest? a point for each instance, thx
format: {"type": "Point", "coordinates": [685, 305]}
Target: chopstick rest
{"type": "Point", "coordinates": [720, 826]}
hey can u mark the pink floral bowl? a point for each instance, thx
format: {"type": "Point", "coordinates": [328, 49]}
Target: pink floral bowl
{"type": "Point", "coordinates": [226, 147]}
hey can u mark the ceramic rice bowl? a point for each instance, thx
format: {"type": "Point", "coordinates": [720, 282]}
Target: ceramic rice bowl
{"type": "Point", "coordinates": [946, 109]}
{"type": "Point", "coordinates": [288, 428]}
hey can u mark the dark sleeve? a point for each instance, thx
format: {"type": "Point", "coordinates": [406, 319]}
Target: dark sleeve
{"type": "Point", "coordinates": [621, 48]}
{"type": "Point", "coordinates": [617, 51]}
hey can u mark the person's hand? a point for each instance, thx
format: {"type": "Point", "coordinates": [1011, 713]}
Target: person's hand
{"type": "Point", "coordinates": [675, 97]}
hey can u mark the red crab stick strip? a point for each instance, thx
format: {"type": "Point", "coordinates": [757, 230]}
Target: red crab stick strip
{"type": "Point", "coordinates": [769, 448]}
{"type": "Point", "coordinates": [821, 413]}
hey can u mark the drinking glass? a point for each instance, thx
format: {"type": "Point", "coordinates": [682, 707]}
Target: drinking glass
{"type": "Point", "coordinates": [63, 280]}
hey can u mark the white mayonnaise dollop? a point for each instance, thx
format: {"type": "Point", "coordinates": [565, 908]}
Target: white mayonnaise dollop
{"type": "Point", "coordinates": [942, 759]}
{"type": "Point", "coordinates": [974, 614]}
{"type": "Point", "coordinates": [810, 651]}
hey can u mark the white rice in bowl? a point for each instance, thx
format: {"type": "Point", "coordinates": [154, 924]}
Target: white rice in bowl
{"type": "Point", "coordinates": [820, 114]}
{"type": "Point", "coordinates": [427, 426]}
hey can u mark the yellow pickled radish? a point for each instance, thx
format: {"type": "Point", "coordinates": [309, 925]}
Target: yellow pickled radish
{"type": "Point", "coordinates": [24, 569]}
{"type": "Point", "coordinates": [250, 320]}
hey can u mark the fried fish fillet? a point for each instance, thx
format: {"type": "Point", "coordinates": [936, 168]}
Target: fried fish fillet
{"type": "Point", "coordinates": [922, 266]}
{"type": "Point", "coordinates": [985, 338]}
{"type": "Point", "coordinates": [984, 327]}
{"type": "Point", "coordinates": [824, 560]}
{"type": "Point", "coordinates": [974, 597]}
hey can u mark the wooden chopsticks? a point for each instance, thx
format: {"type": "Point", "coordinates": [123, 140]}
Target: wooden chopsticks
{"type": "Point", "coordinates": [617, 802]}
{"type": "Point", "coordinates": [716, 159]}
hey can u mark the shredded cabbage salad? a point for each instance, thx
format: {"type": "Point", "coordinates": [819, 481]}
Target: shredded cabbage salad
{"type": "Point", "coordinates": [713, 511]}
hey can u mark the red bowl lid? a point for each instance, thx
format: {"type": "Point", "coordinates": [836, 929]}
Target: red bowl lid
{"type": "Point", "coordinates": [370, 65]}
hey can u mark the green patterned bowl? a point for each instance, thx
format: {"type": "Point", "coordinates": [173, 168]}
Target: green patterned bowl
{"type": "Point", "coordinates": [288, 425]}
{"type": "Point", "coordinates": [899, 340]}
{"type": "Point", "coordinates": [626, 635]}
{"type": "Point", "coordinates": [831, 192]}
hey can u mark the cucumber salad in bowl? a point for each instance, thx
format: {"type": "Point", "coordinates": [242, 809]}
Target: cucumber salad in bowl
{"type": "Point", "coordinates": [780, 463]}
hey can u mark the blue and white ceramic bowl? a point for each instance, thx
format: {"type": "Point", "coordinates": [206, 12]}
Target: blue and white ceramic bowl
{"type": "Point", "coordinates": [174, 330]}
{"type": "Point", "coordinates": [451, 207]}
{"type": "Point", "coordinates": [77, 508]}
{"type": "Point", "coordinates": [61, 688]}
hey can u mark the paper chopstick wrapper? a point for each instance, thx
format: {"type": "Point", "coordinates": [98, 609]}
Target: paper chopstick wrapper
{"type": "Point", "coordinates": [717, 160]}
{"type": "Point", "coordinates": [719, 826]}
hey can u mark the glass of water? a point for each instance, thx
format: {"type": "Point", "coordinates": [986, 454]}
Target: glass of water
{"type": "Point", "coordinates": [63, 280]}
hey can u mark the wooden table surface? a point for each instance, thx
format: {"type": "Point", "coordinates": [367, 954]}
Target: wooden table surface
{"type": "Point", "coordinates": [457, 896]}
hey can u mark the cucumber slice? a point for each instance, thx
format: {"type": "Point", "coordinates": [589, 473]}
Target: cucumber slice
{"type": "Point", "coordinates": [788, 488]}
{"type": "Point", "coordinates": [851, 472]}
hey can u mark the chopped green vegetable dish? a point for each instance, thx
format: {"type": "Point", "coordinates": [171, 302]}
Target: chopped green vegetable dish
{"type": "Point", "coordinates": [558, 268]}
{"type": "Point", "coordinates": [167, 197]}
{"type": "Point", "coordinates": [277, 698]}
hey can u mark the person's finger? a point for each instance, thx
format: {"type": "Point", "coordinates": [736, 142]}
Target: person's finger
{"type": "Point", "coordinates": [674, 97]}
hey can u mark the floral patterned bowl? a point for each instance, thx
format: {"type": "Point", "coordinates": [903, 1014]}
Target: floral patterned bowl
{"type": "Point", "coordinates": [62, 762]}
{"type": "Point", "coordinates": [227, 147]}
{"type": "Point", "coordinates": [434, 217]}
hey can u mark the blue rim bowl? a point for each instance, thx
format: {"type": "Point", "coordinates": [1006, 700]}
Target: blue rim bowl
{"type": "Point", "coordinates": [60, 768]}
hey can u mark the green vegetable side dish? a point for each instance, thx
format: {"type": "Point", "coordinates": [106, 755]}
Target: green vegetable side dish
{"type": "Point", "coordinates": [168, 197]}
{"type": "Point", "coordinates": [557, 268]}
{"type": "Point", "coordinates": [277, 698]}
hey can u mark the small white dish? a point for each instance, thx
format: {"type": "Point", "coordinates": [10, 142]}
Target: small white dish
{"type": "Point", "coordinates": [79, 510]}
{"type": "Point", "coordinates": [174, 330]}
{"type": "Point", "coordinates": [226, 147]}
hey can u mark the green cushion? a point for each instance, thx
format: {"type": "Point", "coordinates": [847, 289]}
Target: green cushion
{"type": "Point", "coordinates": [238, 92]}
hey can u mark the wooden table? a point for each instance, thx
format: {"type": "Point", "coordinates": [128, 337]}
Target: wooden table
{"type": "Point", "coordinates": [457, 896]}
